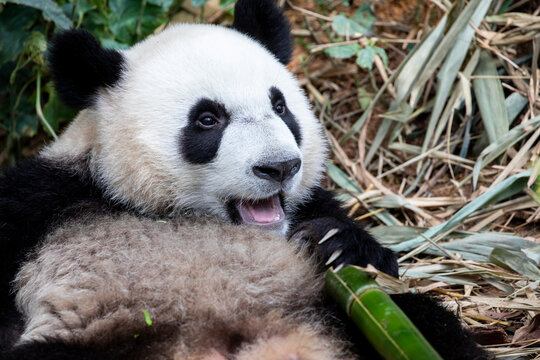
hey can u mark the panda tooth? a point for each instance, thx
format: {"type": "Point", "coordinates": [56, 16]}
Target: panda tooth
{"type": "Point", "coordinates": [329, 234]}
{"type": "Point", "coordinates": [334, 256]}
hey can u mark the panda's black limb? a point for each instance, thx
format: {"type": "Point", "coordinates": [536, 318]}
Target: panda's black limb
{"type": "Point", "coordinates": [351, 244]}
{"type": "Point", "coordinates": [55, 350]}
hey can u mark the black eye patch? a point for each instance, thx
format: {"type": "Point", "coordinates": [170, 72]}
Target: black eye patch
{"type": "Point", "coordinates": [280, 108]}
{"type": "Point", "coordinates": [201, 137]}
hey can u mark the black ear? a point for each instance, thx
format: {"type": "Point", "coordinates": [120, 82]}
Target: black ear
{"type": "Point", "coordinates": [80, 66]}
{"type": "Point", "coordinates": [265, 22]}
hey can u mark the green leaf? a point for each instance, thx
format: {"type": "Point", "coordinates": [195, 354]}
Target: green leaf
{"type": "Point", "coordinates": [343, 51]}
{"type": "Point", "coordinates": [35, 47]}
{"type": "Point", "coordinates": [364, 15]}
{"type": "Point", "coordinates": [380, 51]}
{"type": "Point", "coordinates": [147, 318]}
{"type": "Point", "coordinates": [126, 16]}
{"type": "Point", "coordinates": [164, 4]}
{"type": "Point", "coordinates": [366, 57]}
{"type": "Point", "coordinates": [51, 11]}
{"type": "Point", "coordinates": [26, 122]}
{"type": "Point", "coordinates": [226, 3]}
{"type": "Point", "coordinates": [198, 2]}
{"type": "Point", "coordinates": [83, 6]}
{"type": "Point", "coordinates": [347, 27]}
{"type": "Point", "coordinates": [364, 98]}
{"type": "Point", "coordinates": [55, 111]}
{"type": "Point", "coordinates": [15, 23]}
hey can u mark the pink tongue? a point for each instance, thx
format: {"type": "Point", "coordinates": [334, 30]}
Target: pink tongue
{"type": "Point", "coordinates": [262, 211]}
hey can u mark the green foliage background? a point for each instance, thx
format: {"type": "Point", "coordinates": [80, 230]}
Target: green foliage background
{"type": "Point", "coordinates": [27, 97]}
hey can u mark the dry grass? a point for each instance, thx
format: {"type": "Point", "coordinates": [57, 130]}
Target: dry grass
{"type": "Point", "coordinates": [442, 158]}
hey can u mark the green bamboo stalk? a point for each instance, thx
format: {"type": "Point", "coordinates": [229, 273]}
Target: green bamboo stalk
{"type": "Point", "coordinates": [388, 329]}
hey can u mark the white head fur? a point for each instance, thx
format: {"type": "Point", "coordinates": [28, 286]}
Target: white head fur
{"type": "Point", "coordinates": [132, 133]}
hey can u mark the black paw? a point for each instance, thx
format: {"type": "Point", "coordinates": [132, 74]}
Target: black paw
{"type": "Point", "coordinates": [338, 243]}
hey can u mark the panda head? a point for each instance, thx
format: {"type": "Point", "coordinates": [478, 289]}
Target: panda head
{"type": "Point", "coordinates": [197, 118]}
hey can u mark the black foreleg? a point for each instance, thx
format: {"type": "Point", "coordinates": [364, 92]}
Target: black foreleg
{"type": "Point", "coordinates": [55, 350]}
{"type": "Point", "coordinates": [440, 327]}
{"type": "Point", "coordinates": [350, 245]}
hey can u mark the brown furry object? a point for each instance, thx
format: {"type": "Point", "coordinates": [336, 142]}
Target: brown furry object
{"type": "Point", "coordinates": [90, 281]}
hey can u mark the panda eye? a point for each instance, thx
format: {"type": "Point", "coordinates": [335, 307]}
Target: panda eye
{"type": "Point", "coordinates": [279, 107]}
{"type": "Point", "coordinates": [207, 121]}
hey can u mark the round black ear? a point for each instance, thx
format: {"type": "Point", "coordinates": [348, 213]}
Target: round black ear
{"type": "Point", "coordinates": [80, 66]}
{"type": "Point", "coordinates": [265, 22]}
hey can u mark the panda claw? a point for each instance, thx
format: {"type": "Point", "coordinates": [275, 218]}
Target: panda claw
{"type": "Point", "coordinates": [299, 235]}
{"type": "Point", "coordinates": [334, 256]}
{"type": "Point", "coordinates": [329, 234]}
{"type": "Point", "coordinates": [339, 267]}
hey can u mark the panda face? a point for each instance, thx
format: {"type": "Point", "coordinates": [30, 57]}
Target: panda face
{"type": "Point", "coordinates": [205, 120]}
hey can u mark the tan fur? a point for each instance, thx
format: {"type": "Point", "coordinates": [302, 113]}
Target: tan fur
{"type": "Point", "coordinates": [202, 283]}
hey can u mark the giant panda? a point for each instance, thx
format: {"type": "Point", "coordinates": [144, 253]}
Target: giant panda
{"type": "Point", "coordinates": [180, 215]}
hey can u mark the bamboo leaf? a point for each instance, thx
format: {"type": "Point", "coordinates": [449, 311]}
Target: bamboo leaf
{"type": "Point", "coordinates": [415, 61]}
{"type": "Point", "coordinates": [490, 97]}
{"type": "Point", "coordinates": [444, 46]}
{"type": "Point", "coordinates": [516, 261]}
{"type": "Point", "coordinates": [515, 103]}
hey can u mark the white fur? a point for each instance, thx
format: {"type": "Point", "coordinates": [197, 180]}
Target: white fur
{"type": "Point", "coordinates": [134, 142]}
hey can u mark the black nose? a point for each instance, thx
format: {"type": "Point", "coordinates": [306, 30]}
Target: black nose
{"type": "Point", "coordinates": [278, 171]}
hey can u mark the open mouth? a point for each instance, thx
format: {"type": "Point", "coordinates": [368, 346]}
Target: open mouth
{"type": "Point", "coordinates": [262, 212]}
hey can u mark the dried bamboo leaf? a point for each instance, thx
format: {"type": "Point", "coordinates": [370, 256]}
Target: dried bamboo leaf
{"type": "Point", "coordinates": [516, 261]}
{"type": "Point", "coordinates": [505, 303]}
{"type": "Point", "coordinates": [507, 188]}
{"type": "Point", "coordinates": [415, 61]}
{"type": "Point", "coordinates": [455, 98]}
{"type": "Point", "coordinates": [450, 67]}
{"type": "Point", "coordinates": [444, 46]}
{"type": "Point", "coordinates": [502, 144]}
{"type": "Point", "coordinates": [340, 178]}
{"type": "Point", "coordinates": [389, 235]}
{"type": "Point", "coordinates": [515, 103]}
